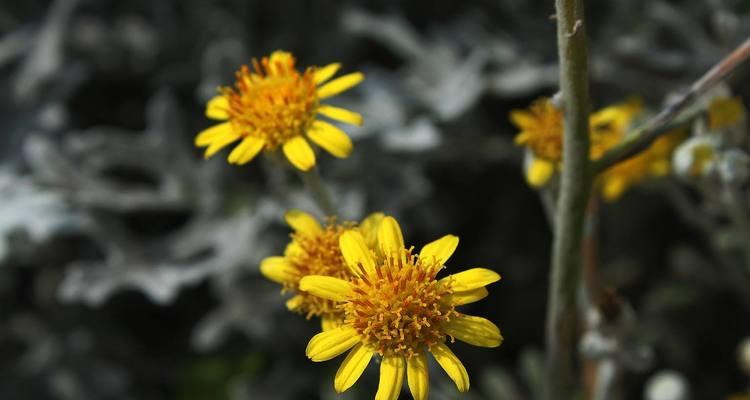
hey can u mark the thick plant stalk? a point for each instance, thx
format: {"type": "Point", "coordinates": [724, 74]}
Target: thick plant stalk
{"type": "Point", "coordinates": [575, 188]}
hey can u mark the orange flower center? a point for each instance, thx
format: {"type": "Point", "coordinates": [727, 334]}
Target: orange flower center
{"type": "Point", "coordinates": [274, 101]}
{"type": "Point", "coordinates": [402, 308]}
{"type": "Point", "coordinates": [320, 255]}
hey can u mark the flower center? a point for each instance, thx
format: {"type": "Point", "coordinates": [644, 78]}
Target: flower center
{"type": "Point", "coordinates": [318, 254]}
{"type": "Point", "coordinates": [274, 101]}
{"type": "Point", "coordinates": [402, 308]}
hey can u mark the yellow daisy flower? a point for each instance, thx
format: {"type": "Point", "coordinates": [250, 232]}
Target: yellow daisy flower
{"type": "Point", "coordinates": [653, 162]}
{"type": "Point", "coordinates": [274, 106]}
{"type": "Point", "coordinates": [542, 129]}
{"type": "Point", "coordinates": [314, 250]}
{"type": "Point", "coordinates": [395, 307]}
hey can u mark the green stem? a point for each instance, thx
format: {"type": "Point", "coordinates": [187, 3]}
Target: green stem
{"type": "Point", "coordinates": [318, 191]}
{"type": "Point", "coordinates": [562, 318]}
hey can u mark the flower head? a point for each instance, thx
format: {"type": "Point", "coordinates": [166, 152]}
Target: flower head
{"type": "Point", "coordinates": [542, 134]}
{"type": "Point", "coordinates": [653, 162]}
{"type": "Point", "coordinates": [274, 105]}
{"type": "Point", "coordinates": [397, 308]}
{"type": "Point", "coordinates": [314, 250]}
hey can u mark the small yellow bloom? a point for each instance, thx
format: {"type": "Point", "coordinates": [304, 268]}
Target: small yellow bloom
{"type": "Point", "coordinates": [542, 134]}
{"type": "Point", "coordinates": [541, 129]}
{"type": "Point", "coordinates": [396, 307]}
{"type": "Point", "coordinates": [275, 106]}
{"type": "Point", "coordinates": [653, 162]}
{"type": "Point", "coordinates": [314, 250]}
{"type": "Point", "coordinates": [725, 112]}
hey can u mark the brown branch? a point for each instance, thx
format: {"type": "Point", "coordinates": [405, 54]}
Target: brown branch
{"type": "Point", "coordinates": [643, 136]}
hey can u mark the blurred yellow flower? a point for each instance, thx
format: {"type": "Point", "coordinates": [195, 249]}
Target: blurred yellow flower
{"type": "Point", "coordinates": [314, 250]}
{"type": "Point", "coordinates": [542, 128]}
{"type": "Point", "coordinates": [724, 112]}
{"type": "Point", "coordinates": [653, 162]}
{"type": "Point", "coordinates": [395, 307]}
{"type": "Point", "coordinates": [274, 106]}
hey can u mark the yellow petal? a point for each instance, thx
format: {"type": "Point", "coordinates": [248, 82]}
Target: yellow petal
{"type": "Point", "coordinates": [471, 279]}
{"type": "Point", "coordinates": [246, 150]}
{"type": "Point", "coordinates": [613, 188]}
{"type": "Point", "coordinates": [469, 296]}
{"type": "Point", "coordinates": [293, 249]}
{"type": "Point", "coordinates": [277, 269]}
{"type": "Point", "coordinates": [660, 168]}
{"type": "Point", "coordinates": [356, 253]}
{"type": "Point", "coordinates": [331, 138]}
{"type": "Point", "coordinates": [539, 172]}
{"type": "Point", "coordinates": [474, 330]}
{"type": "Point", "coordinates": [521, 138]}
{"type": "Point", "coordinates": [299, 153]}
{"type": "Point", "coordinates": [328, 322]}
{"type": "Point", "coordinates": [391, 378]}
{"type": "Point", "coordinates": [208, 136]}
{"type": "Point", "coordinates": [218, 108]}
{"type": "Point", "coordinates": [294, 303]}
{"type": "Point", "coordinates": [522, 119]}
{"type": "Point", "coordinates": [390, 239]}
{"type": "Point", "coordinates": [439, 251]}
{"type": "Point", "coordinates": [352, 367]}
{"type": "Point", "coordinates": [369, 228]}
{"type": "Point", "coordinates": [326, 287]}
{"type": "Point", "coordinates": [327, 345]}
{"type": "Point", "coordinates": [418, 376]}
{"type": "Point", "coordinates": [325, 73]}
{"type": "Point", "coordinates": [341, 114]}
{"type": "Point", "coordinates": [451, 365]}
{"type": "Point", "coordinates": [340, 84]}
{"type": "Point", "coordinates": [220, 143]}
{"type": "Point", "coordinates": [302, 222]}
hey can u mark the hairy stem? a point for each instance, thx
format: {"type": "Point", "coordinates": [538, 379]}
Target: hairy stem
{"type": "Point", "coordinates": [562, 319]}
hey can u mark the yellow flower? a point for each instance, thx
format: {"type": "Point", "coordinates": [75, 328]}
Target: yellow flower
{"type": "Point", "coordinates": [314, 250]}
{"type": "Point", "coordinates": [725, 112]}
{"type": "Point", "coordinates": [395, 307]}
{"type": "Point", "coordinates": [542, 129]}
{"type": "Point", "coordinates": [274, 105]}
{"type": "Point", "coordinates": [653, 162]}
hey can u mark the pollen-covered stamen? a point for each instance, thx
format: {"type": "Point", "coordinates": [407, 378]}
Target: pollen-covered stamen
{"type": "Point", "coordinates": [400, 309]}
{"type": "Point", "coordinates": [273, 101]}
{"type": "Point", "coordinates": [319, 255]}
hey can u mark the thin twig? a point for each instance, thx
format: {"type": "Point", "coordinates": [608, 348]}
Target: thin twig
{"type": "Point", "coordinates": [562, 316]}
{"type": "Point", "coordinates": [643, 136]}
